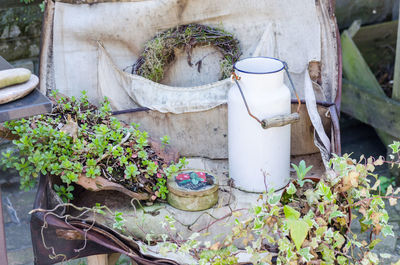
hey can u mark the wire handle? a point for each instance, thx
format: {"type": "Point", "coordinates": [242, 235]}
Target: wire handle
{"type": "Point", "coordinates": [279, 120]}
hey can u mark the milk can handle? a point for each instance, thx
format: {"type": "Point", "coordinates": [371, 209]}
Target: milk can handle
{"type": "Point", "coordinates": [279, 120]}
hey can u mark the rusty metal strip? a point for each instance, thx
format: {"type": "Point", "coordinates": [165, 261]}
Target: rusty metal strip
{"type": "Point", "coordinates": [336, 130]}
{"type": "Point", "coordinates": [338, 98]}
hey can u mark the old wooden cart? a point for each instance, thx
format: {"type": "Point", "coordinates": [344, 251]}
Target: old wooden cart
{"type": "Point", "coordinates": [86, 44]}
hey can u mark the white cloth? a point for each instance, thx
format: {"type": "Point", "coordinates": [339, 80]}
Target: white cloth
{"type": "Point", "coordinates": [155, 96]}
{"type": "Point", "coordinates": [276, 28]}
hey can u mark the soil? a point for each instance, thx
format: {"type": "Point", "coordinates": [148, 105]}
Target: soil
{"type": "Point", "coordinates": [385, 74]}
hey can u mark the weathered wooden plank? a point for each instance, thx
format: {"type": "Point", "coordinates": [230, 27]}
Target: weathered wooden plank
{"type": "Point", "coordinates": [380, 112]}
{"type": "Point", "coordinates": [396, 81]}
{"type": "Point", "coordinates": [356, 69]}
{"type": "Point", "coordinates": [366, 100]}
{"type": "Point", "coordinates": [369, 11]}
{"type": "Point", "coordinates": [377, 43]}
{"type": "Point", "coordinates": [358, 72]}
{"type": "Point", "coordinates": [377, 33]}
{"type": "Point", "coordinates": [101, 259]}
{"type": "Point", "coordinates": [113, 258]}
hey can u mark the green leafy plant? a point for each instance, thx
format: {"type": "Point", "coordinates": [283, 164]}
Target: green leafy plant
{"type": "Point", "coordinates": [302, 171]}
{"type": "Point", "coordinates": [119, 221]}
{"type": "Point", "coordinates": [80, 140]}
{"type": "Point", "coordinates": [309, 223]}
{"type": "Point", "coordinates": [64, 193]}
{"type": "Point", "coordinates": [42, 5]}
{"type": "Point", "coordinates": [165, 140]}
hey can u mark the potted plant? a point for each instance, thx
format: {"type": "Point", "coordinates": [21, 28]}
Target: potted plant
{"type": "Point", "coordinates": [80, 143]}
{"type": "Point", "coordinates": [310, 221]}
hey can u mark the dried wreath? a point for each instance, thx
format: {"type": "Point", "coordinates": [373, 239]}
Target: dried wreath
{"type": "Point", "coordinates": [159, 52]}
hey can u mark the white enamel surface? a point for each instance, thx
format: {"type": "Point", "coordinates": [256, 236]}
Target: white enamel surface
{"type": "Point", "coordinates": [254, 151]}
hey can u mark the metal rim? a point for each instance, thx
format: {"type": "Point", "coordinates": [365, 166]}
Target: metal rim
{"type": "Point", "coordinates": [259, 73]}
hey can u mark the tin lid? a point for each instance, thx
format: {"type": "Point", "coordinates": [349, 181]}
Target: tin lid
{"type": "Point", "coordinates": [193, 183]}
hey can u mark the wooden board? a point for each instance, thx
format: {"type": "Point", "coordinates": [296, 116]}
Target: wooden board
{"type": "Point", "coordinates": [362, 97]}
{"type": "Point", "coordinates": [302, 132]}
{"type": "Point", "coordinates": [380, 112]}
{"type": "Point", "coordinates": [356, 69]}
{"type": "Point", "coordinates": [377, 43]}
{"type": "Point", "coordinates": [363, 91]}
{"type": "Point", "coordinates": [396, 83]}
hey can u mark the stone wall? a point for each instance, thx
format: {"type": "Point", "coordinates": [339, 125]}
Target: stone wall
{"type": "Point", "coordinates": [20, 27]}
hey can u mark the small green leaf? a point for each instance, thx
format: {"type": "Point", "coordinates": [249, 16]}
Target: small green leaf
{"type": "Point", "coordinates": [291, 213]}
{"type": "Point", "coordinates": [291, 189]}
{"type": "Point", "coordinates": [298, 231]}
{"type": "Point", "coordinates": [321, 208]}
{"type": "Point", "coordinates": [374, 243]}
{"type": "Point", "coordinates": [387, 230]}
{"type": "Point", "coordinates": [305, 253]}
{"type": "Point", "coordinates": [339, 240]}
{"type": "Point", "coordinates": [258, 224]}
{"type": "Point", "coordinates": [274, 199]}
{"type": "Point", "coordinates": [342, 260]}
{"type": "Point", "coordinates": [395, 146]}
{"type": "Point", "coordinates": [335, 214]}
{"type": "Point", "coordinates": [329, 233]}
{"type": "Point", "coordinates": [257, 209]}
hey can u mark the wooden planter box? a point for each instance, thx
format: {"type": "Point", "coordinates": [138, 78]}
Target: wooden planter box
{"type": "Point", "coordinates": [201, 135]}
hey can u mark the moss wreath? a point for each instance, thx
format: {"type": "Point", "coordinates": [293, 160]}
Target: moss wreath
{"type": "Point", "coordinates": [159, 51]}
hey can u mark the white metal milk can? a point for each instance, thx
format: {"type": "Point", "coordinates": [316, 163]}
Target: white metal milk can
{"type": "Point", "coordinates": [259, 149]}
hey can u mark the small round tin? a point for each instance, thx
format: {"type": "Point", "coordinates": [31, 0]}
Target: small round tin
{"type": "Point", "coordinates": [193, 190]}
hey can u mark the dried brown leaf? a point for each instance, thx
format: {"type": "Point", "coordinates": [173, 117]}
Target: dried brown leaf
{"type": "Point", "coordinates": [215, 246]}
{"type": "Point", "coordinates": [392, 201]}
{"type": "Point", "coordinates": [71, 128]}
{"type": "Point", "coordinates": [379, 161]}
{"type": "Point", "coordinates": [377, 229]}
{"type": "Point", "coordinates": [389, 190]}
{"type": "Point", "coordinates": [370, 167]}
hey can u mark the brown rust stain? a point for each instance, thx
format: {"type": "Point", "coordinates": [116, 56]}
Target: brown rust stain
{"type": "Point", "coordinates": [314, 69]}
